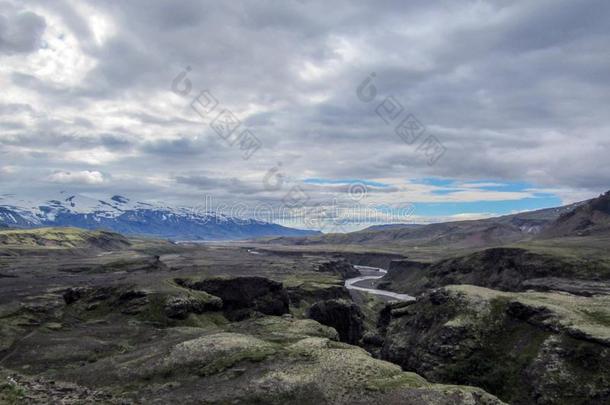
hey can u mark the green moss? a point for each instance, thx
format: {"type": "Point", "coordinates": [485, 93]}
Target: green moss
{"type": "Point", "coordinates": [586, 315]}
{"type": "Point", "coordinates": [53, 325]}
{"type": "Point", "coordinates": [311, 281]}
{"type": "Point", "coordinates": [503, 349]}
{"type": "Point", "coordinates": [11, 394]}
{"type": "Point", "coordinates": [206, 320]}
{"type": "Point", "coordinates": [402, 380]}
{"type": "Point", "coordinates": [155, 311]}
{"type": "Point", "coordinates": [255, 355]}
{"type": "Point", "coordinates": [371, 307]}
{"type": "Point", "coordinates": [51, 237]}
{"type": "Point", "coordinates": [598, 317]}
{"type": "Point", "coordinates": [284, 330]}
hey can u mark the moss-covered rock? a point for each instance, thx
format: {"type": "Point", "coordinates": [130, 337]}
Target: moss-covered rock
{"type": "Point", "coordinates": [241, 296]}
{"type": "Point", "coordinates": [284, 329]}
{"type": "Point", "coordinates": [337, 373]}
{"type": "Point", "coordinates": [179, 306]}
{"type": "Point", "coordinates": [340, 268]}
{"type": "Point", "coordinates": [214, 353]}
{"type": "Point", "coordinates": [267, 360]}
{"type": "Point", "coordinates": [519, 346]}
{"type": "Point", "coordinates": [304, 290]}
{"type": "Point", "coordinates": [504, 268]}
{"type": "Point", "coordinates": [345, 316]}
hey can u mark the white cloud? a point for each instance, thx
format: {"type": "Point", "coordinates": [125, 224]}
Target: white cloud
{"type": "Point", "coordinates": [82, 177]}
{"type": "Point", "coordinates": [511, 101]}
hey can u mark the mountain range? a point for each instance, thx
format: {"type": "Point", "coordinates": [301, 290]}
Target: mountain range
{"type": "Point", "coordinates": [590, 217]}
{"type": "Point", "coordinates": [121, 214]}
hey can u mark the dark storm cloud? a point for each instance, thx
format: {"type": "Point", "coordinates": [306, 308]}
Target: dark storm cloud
{"type": "Point", "coordinates": [20, 32]}
{"type": "Point", "coordinates": [180, 147]}
{"type": "Point", "coordinates": [14, 108]}
{"type": "Point", "coordinates": [232, 186]}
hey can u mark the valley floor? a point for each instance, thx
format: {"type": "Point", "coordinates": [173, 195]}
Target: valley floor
{"type": "Point", "coordinates": [246, 323]}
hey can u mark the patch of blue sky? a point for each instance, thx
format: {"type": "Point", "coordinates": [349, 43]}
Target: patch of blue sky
{"type": "Point", "coordinates": [446, 191]}
{"type": "Point", "coordinates": [435, 181]}
{"type": "Point", "coordinates": [452, 185]}
{"type": "Point", "coordinates": [502, 207]}
{"type": "Point", "coordinates": [492, 185]}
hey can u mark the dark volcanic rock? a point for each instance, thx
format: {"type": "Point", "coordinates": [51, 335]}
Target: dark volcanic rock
{"type": "Point", "coordinates": [507, 269]}
{"type": "Point", "coordinates": [372, 339]}
{"type": "Point", "coordinates": [586, 288]}
{"type": "Point", "coordinates": [242, 295]}
{"type": "Point", "coordinates": [590, 218]}
{"type": "Point", "coordinates": [311, 293]}
{"type": "Point", "coordinates": [514, 346]}
{"type": "Point", "coordinates": [339, 267]}
{"type": "Point", "coordinates": [153, 306]}
{"type": "Point", "coordinates": [529, 313]}
{"type": "Point", "coordinates": [342, 315]}
{"type": "Point", "coordinates": [132, 295]}
{"type": "Point", "coordinates": [180, 306]}
{"type": "Point", "coordinates": [402, 273]}
{"type": "Point", "coordinates": [71, 295]}
{"type": "Point", "coordinates": [371, 259]}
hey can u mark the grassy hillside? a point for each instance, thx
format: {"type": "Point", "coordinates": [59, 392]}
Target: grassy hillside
{"type": "Point", "coordinates": [61, 238]}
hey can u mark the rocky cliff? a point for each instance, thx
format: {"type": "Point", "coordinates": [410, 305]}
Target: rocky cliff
{"type": "Point", "coordinates": [544, 348]}
{"type": "Point", "coordinates": [507, 269]}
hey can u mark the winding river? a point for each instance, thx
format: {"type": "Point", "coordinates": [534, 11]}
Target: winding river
{"type": "Point", "coordinates": [365, 283]}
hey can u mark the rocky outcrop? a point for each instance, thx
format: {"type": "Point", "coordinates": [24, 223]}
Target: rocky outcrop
{"type": "Point", "coordinates": [371, 259]}
{"type": "Point", "coordinates": [543, 348]}
{"type": "Point", "coordinates": [587, 288]}
{"type": "Point", "coordinates": [340, 268]}
{"type": "Point", "coordinates": [241, 296]}
{"type": "Point", "coordinates": [124, 299]}
{"type": "Point", "coordinates": [17, 388]}
{"type": "Point", "coordinates": [309, 293]}
{"type": "Point", "coordinates": [589, 218]}
{"type": "Point", "coordinates": [402, 274]}
{"type": "Point", "coordinates": [345, 316]}
{"type": "Point", "coordinates": [507, 269]}
{"type": "Point", "coordinates": [179, 307]}
{"type": "Point", "coordinates": [156, 306]}
{"type": "Point", "coordinates": [261, 360]}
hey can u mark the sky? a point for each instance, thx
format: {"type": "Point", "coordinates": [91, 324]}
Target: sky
{"type": "Point", "coordinates": [416, 111]}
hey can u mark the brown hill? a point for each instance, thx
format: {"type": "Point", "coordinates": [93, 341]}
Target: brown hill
{"type": "Point", "coordinates": [589, 218]}
{"type": "Point", "coordinates": [458, 235]}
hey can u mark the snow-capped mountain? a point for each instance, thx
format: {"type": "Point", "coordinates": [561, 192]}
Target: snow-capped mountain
{"type": "Point", "coordinates": [120, 214]}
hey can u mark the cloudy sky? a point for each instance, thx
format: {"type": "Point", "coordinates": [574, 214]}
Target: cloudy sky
{"type": "Point", "coordinates": [456, 109]}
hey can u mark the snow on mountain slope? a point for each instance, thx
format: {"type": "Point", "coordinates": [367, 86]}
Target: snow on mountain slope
{"type": "Point", "coordinates": [121, 214]}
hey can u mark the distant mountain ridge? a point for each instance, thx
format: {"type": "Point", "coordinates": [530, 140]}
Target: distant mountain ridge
{"type": "Point", "coordinates": [120, 214]}
{"type": "Point", "coordinates": [590, 218]}
{"type": "Point", "coordinates": [459, 234]}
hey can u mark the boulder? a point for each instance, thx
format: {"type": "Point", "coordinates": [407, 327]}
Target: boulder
{"type": "Point", "coordinates": [340, 268]}
{"type": "Point", "coordinates": [178, 307]}
{"type": "Point", "coordinates": [71, 295]}
{"type": "Point", "coordinates": [345, 316]}
{"type": "Point", "coordinates": [241, 296]}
